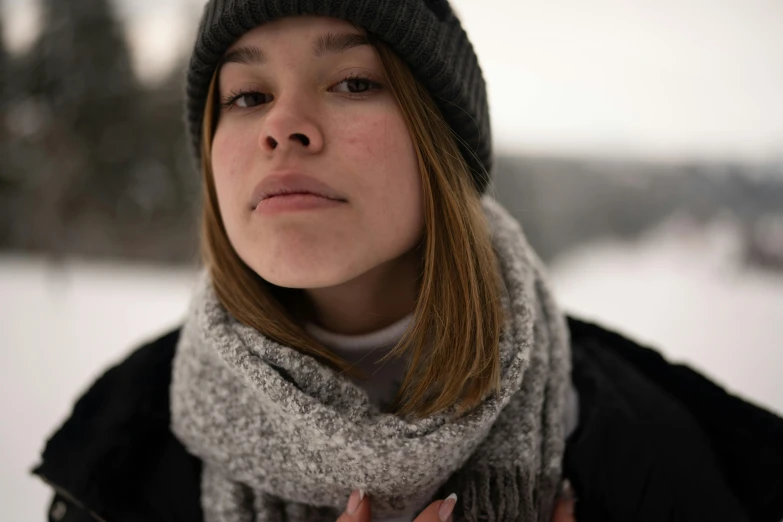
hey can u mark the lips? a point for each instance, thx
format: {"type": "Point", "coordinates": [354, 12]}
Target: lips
{"type": "Point", "coordinates": [283, 183]}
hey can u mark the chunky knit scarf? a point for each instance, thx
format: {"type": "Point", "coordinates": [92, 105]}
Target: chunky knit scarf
{"type": "Point", "coordinates": [284, 437]}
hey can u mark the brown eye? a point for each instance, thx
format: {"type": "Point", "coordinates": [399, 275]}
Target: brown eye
{"type": "Point", "coordinates": [357, 85]}
{"type": "Point", "coordinates": [244, 100]}
{"type": "Point", "coordinates": [249, 100]}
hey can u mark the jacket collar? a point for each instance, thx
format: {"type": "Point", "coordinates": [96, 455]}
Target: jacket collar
{"type": "Point", "coordinates": [115, 456]}
{"type": "Point", "coordinates": [690, 425]}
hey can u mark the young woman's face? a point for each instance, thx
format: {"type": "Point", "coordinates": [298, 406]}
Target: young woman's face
{"type": "Point", "coordinates": [305, 106]}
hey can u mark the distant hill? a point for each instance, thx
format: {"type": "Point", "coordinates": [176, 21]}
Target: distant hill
{"type": "Point", "coordinates": [564, 202]}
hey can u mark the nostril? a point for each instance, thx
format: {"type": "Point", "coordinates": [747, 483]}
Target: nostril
{"type": "Point", "coordinates": [271, 142]}
{"type": "Point", "coordinates": [302, 138]}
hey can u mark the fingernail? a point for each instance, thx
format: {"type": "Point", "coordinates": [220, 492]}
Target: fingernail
{"type": "Point", "coordinates": [446, 507]}
{"type": "Point", "coordinates": [354, 500]}
{"type": "Point", "coordinates": [567, 492]}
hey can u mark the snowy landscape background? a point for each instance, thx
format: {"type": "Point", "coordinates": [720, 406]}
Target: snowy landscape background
{"type": "Point", "coordinates": [678, 288]}
{"type": "Point", "coordinates": [641, 148]}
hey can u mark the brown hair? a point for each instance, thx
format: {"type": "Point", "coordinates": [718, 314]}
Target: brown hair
{"type": "Point", "coordinates": [452, 344]}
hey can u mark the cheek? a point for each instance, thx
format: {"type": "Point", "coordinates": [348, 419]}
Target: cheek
{"type": "Point", "coordinates": [382, 140]}
{"type": "Point", "coordinates": [381, 152]}
{"type": "Point", "coordinates": [231, 152]}
{"type": "Point", "coordinates": [380, 148]}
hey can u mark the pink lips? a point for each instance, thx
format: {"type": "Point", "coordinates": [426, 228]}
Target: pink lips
{"type": "Point", "coordinates": [293, 191]}
{"type": "Point", "coordinates": [291, 202]}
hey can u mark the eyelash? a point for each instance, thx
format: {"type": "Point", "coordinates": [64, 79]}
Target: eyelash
{"type": "Point", "coordinates": [227, 102]}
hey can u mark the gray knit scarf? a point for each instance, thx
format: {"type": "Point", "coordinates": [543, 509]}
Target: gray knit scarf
{"type": "Point", "coordinates": [285, 438]}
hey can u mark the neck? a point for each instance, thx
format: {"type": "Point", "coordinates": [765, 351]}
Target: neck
{"type": "Point", "coordinates": [374, 300]}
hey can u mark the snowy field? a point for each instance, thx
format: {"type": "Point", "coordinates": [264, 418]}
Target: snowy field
{"type": "Point", "coordinates": [677, 289]}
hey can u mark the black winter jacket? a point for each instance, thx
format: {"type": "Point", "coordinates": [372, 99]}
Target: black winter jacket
{"type": "Point", "coordinates": [655, 442]}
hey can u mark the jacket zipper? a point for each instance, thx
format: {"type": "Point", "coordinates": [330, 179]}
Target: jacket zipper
{"type": "Point", "coordinates": [70, 498]}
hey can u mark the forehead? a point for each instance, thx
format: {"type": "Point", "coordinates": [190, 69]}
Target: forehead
{"type": "Point", "coordinates": [293, 30]}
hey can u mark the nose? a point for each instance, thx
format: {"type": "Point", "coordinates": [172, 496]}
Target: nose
{"type": "Point", "coordinates": [290, 124]}
{"type": "Point", "coordinates": [297, 136]}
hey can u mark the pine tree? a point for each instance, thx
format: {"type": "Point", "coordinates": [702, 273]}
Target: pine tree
{"type": "Point", "coordinates": [84, 72]}
{"type": "Point", "coordinates": [81, 77]}
{"type": "Point", "coordinates": [3, 55]}
{"type": "Point", "coordinates": [6, 75]}
{"type": "Point", "coordinates": [5, 188]}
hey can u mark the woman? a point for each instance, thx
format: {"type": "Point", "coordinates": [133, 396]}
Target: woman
{"type": "Point", "coordinates": [372, 337]}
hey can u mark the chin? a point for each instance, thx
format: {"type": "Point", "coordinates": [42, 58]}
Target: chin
{"type": "Point", "coordinates": [304, 277]}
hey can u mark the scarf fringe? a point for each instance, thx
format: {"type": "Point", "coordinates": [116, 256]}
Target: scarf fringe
{"type": "Point", "coordinates": [507, 494]}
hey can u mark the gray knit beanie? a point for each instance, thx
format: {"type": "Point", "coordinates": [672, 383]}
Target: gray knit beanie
{"type": "Point", "coordinates": [426, 34]}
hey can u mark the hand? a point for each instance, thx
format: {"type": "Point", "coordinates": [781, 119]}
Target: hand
{"type": "Point", "coordinates": [360, 510]}
{"type": "Point", "coordinates": [564, 509]}
{"type": "Point", "coordinates": [363, 511]}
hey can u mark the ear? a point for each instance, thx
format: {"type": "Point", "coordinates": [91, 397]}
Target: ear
{"type": "Point", "coordinates": [440, 8]}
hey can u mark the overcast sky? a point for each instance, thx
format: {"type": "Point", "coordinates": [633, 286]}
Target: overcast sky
{"type": "Point", "coordinates": [664, 79]}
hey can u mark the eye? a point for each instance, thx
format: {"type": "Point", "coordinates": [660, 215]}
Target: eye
{"type": "Point", "coordinates": [244, 99]}
{"type": "Point", "coordinates": [357, 85]}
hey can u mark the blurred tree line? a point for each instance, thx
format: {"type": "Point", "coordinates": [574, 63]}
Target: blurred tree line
{"type": "Point", "coordinates": [566, 202]}
{"type": "Point", "coordinates": [93, 163]}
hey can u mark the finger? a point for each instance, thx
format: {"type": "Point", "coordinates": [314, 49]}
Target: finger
{"type": "Point", "coordinates": [357, 509]}
{"type": "Point", "coordinates": [564, 510]}
{"type": "Point", "coordinates": [438, 511]}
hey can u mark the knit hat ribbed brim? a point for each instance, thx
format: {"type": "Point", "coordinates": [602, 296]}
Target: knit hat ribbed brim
{"type": "Point", "coordinates": [426, 34]}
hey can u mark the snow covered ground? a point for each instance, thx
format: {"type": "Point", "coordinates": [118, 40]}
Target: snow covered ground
{"type": "Point", "coordinates": [60, 327]}
{"type": "Point", "coordinates": [677, 289]}
{"type": "Point", "coordinates": [682, 291]}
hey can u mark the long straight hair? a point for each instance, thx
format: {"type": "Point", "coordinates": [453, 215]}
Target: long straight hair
{"type": "Point", "coordinates": [451, 348]}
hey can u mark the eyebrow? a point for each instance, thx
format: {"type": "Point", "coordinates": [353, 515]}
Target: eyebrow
{"type": "Point", "coordinates": [329, 43]}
